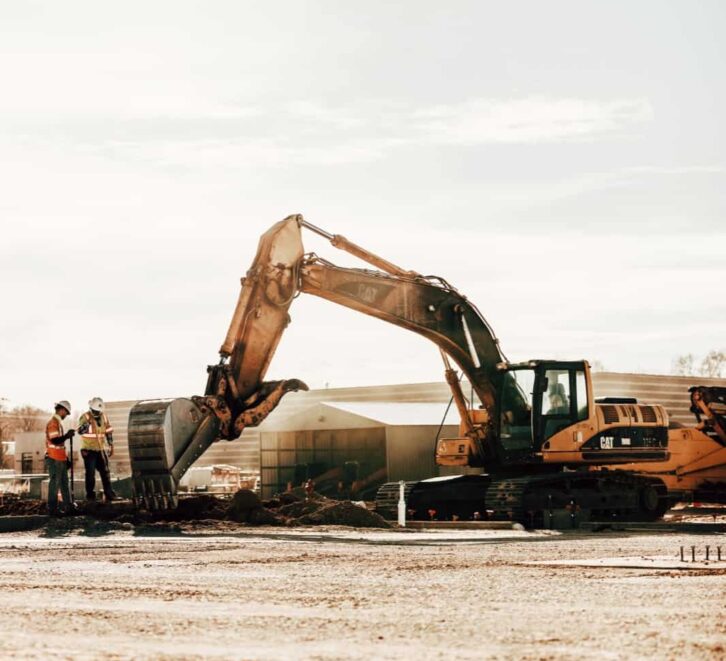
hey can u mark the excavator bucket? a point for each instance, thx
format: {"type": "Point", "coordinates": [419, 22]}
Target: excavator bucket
{"type": "Point", "coordinates": [165, 437]}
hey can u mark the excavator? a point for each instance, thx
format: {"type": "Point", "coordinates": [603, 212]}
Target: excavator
{"type": "Point", "coordinates": [532, 438]}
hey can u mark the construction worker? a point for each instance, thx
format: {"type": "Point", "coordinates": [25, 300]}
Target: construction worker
{"type": "Point", "coordinates": [57, 459]}
{"type": "Point", "coordinates": [96, 448]}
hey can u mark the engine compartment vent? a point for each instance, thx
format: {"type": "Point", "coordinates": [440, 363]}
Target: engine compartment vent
{"type": "Point", "coordinates": [648, 414]}
{"type": "Point", "coordinates": [610, 414]}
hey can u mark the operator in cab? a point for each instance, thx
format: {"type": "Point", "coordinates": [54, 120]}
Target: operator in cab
{"type": "Point", "coordinates": [96, 448]}
{"type": "Point", "coordinates": [57, 461]}
{"type": "Point", "coordinates": [558, 401]}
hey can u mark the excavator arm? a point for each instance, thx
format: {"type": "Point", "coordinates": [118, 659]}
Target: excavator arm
{"type": "Point", "coordinates": [167, 436]}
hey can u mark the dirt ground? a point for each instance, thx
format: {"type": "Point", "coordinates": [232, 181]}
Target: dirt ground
{"type": "Point", "coordinates": [221, 590]}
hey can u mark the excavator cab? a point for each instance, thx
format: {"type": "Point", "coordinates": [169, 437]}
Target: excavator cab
{"type": "Point", "coordinates": [538, 400]}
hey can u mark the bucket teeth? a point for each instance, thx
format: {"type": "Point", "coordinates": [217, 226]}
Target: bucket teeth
{"type": "Point", "coordinates": [155, 492]}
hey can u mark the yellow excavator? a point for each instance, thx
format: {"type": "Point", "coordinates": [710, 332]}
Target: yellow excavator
{"type": "Point", "coordinates": [538, 437]}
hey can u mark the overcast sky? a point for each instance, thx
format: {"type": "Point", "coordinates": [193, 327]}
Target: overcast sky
{"type": "Point", "coordinates": [561, 163]}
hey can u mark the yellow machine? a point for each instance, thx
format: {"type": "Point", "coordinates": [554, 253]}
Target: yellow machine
{"type": "Point", "coordinates": [695, 469]}
{"type": "Point", "coordinates": [537, 430]}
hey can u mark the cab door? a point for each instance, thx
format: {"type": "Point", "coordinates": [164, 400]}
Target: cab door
{"type": "Point", "coordinates": [561, 399]}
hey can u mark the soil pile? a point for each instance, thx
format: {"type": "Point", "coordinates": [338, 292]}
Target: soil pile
{"type": "Point", "coordinates": [343, 513]}
{"type": "Point", "coordinates": [246, 507]}
{"type": "Point", "coordinates": [288, 509]}
{"type": "Point", "coordinates": [301, 508]}
{"type": "Point", "coordinates": [17, 507]}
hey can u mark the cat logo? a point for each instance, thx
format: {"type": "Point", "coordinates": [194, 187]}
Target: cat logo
{"type": "Point", "coordinates": [367, 293]}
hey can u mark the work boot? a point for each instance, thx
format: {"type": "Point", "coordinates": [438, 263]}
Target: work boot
{"type": "Point", "coordinates": [109, 498]}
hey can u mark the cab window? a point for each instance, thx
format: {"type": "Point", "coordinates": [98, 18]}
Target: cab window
{"type": "Point", "coordinates": [556, 402]}
{"type": "Point", "coordinates": [516, 410]}
{"type": "Point", "coordinates": [581, 390]}
{"type": "Point", "coordinates": [558, 393]}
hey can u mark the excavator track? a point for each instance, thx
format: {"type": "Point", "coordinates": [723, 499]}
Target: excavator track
{"type": "Point", "coordinates": [602, 495]}
{"type": "Point", "coordinates": [532, 500]}
{"type": "Point", "coordinates": [438, 498]}
{"type": "Point", "coordinates": [388, 495]}
{"type": "Point", "coordinates": [505, 498]}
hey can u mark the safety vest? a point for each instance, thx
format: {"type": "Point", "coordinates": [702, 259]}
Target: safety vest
{"type": "Point", "coordinates": [95, 436]}
{"type": "Point", "coordinates": [53, 430]}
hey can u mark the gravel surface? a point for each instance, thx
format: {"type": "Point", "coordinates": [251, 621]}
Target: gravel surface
{"type": "Point", "coordinates": [220, 590]}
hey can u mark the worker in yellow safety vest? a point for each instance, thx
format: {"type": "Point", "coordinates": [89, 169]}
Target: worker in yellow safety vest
{"type": "Point", "coordinates": [96, 448]}
{"type": "Point", "coordinates": [56, 459]}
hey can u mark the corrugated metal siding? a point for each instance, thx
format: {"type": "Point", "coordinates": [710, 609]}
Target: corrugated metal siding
{"type": "Point", "coordinates": [410, 451]}
{"type": "Point", "coordinates": [321, 450]}
{"type": "Point", "coordinates": [669, 391]}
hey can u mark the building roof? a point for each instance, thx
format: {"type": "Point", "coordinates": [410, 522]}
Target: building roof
{"type": "Point", "coordinates": [400, 413]}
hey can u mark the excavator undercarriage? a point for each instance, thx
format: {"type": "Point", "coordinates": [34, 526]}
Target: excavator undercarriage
{"type": "Point", "coordinates": [531, 500]}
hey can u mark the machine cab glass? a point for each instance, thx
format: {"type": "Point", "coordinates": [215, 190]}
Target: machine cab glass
{"type": "Point", "coordinates": [538, 400]}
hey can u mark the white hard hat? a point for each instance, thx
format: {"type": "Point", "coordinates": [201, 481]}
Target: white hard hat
{"type": "Point", "coordinates": [65, 404]}
{"type": "Point", "coordinates": [96, 404]}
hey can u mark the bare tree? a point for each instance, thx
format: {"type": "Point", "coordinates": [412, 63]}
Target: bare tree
{"type": "Point", "coordinates": [19, 419]}
{"type": "Point", "coordinates": [714, 364]}
{"type": "Point", "coordinates": [684, 365]}
{"type": "Point", "coordinates": [29, 418]}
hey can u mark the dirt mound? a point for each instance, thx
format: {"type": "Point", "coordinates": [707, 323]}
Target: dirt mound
{"type": "Point", "coordinates": [243, 502]}
{"type": "Point", "coordinates": [245, 507]}
{"type": "Point", "coordinates": [287, 498]}
{"type": "Point", "coordinates": [343, 513]}
{"type": "Point", "coordinates": [264, 517]}
{"type": "Point", "coordinates": [16, 507]}
{"type": "Point", "coordinates": [301, 507]}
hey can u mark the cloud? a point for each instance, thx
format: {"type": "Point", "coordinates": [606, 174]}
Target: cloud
{"type": "Point", "coordinates": [309, 133]}
{"type": "Point", "coordinates": [529, 120]}
{"type": "Point", "coordinates": [677, 170]}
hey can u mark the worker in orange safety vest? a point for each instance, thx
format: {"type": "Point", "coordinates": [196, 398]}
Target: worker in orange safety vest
{"type": "Point", "coordinates": [96, 448]}
{"type": "Point", "coordinates": [57, 460]}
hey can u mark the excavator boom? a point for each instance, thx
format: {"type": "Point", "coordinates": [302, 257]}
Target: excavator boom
{"type": "Point", "coordinates": [161, 445]}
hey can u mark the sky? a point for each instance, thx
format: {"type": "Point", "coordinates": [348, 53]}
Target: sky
{"type": "Point", "coordinates": [562, 164]}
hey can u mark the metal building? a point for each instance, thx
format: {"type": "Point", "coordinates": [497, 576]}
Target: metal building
{"type": "Point", "coordinates": [350, 448]}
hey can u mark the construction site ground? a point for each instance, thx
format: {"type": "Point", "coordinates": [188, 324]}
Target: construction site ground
{"type": "Point", "coordinates": [81, 588]}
